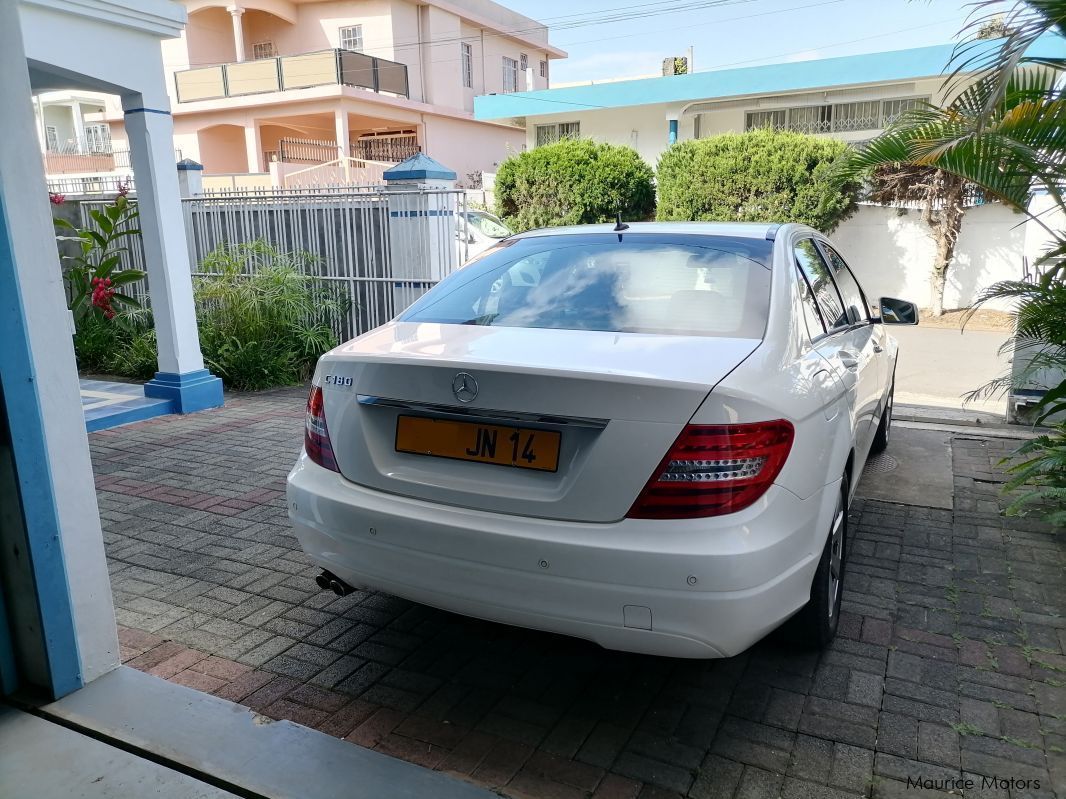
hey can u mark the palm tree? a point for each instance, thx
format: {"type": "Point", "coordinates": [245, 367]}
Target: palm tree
{"type": "Point", "coordinates": [933, 155]}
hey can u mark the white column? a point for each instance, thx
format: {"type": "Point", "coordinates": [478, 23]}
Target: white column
{"type": "Point", "coordinates": [238, 30]}
{"type": "Point", "coordinates": [253, 146]}
{"type": "Point", "coordinates": [79, 127]}
{"type": "Point", "coordinates": [151, 137]}
{"type": "Point", "coordinates": [340, 120]}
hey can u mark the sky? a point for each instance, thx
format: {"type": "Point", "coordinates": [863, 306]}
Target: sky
{"type": "Point", "coordinates": [731, 33]}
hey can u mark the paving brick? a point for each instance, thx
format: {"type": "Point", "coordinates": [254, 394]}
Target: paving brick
{"type": "Point", "coordinates": [938, 744]}
{"type": "Point", "coordinates": [468, 754]}
{"type": "Point", "coordinates": [343, 721]}
{"type": "Point", "coordinates": [245, 685]}
{"type": "Point", "coordinates": [501, 763]}
{"type": "Point", "coordinates": [615, 787]}
{"type": "Point", "coordinates": [757, 783]}
{"type": "Point", "coordinates": [655, 772]}
{"type": "Point", "coordinates": [852, 768]}
{"type": "Point", "coordinates": [198, 680]}
{"type": "Point", "coordinates": [377, 726]}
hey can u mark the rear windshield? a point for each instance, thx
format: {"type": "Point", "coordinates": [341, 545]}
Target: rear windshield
{"type": "Point", "coordinates": [636, 283]}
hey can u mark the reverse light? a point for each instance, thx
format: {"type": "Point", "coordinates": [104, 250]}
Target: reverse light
{"type": "Point", "coordinates": [712, 470]}
{"type": "Point", "coordinates": [316, 434]}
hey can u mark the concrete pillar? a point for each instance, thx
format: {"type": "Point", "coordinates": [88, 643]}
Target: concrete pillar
{"type": "Point", "coordinates": [253, 145]}
{"type": "Point", "coordinates": [78, 121]}
{"type": "Point", "coordinates": [182, 377]}
{"type": "Point", "coordinates": [424, 247]}
{"type": "Point", "coordinates": [238, 31]}
{"type": "Point", "coordinates": [340, 122]}
{"type": "Point", "coordinates": [190, 178]}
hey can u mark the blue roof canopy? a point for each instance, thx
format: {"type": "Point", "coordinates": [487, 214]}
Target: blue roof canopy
{"type": "Point", "coordinates": [919, 62]}
{"type": "Point", "coordinates": [419, 167]}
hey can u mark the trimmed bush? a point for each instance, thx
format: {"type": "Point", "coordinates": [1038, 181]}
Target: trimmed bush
{"type": "Point", "coordinates": [573, 182]}
{"type": "Point", "coordinates": [759, 176]}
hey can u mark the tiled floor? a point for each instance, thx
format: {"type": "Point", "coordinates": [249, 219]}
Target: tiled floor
{"type": "Point", "coordinates": [108, 404]}
{"type": "Point", "coordinates": [950, 664]}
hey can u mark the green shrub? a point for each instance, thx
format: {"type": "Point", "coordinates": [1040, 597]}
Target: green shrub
{"type": "Point", "coordinates": [257, 330]}
{"type": "Point", "coordinates": [123, 345]}
{"type": "Point", "coordinates": [265, 327]}
{"type": "Point", "coordinates": [573, 182]}
{"type": "Point", "coordinates": [759, 176]}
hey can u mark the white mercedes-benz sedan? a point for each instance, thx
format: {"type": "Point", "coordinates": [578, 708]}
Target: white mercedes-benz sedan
{"type": "Point", "coordinates": [646, 436]}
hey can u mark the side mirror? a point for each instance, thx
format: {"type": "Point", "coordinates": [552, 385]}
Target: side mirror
{"type": "Point", "coordinates": [898, 312]}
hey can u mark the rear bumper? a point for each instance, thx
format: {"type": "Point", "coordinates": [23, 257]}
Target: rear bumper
{"type": "Point", "coordinates": [696, 588]}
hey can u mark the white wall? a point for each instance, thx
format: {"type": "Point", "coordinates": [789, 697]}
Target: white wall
{"type": "Point", "coordinates": [892, 253]}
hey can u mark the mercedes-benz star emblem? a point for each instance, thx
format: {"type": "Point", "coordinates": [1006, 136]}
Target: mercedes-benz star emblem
{"type": "Point", "coordinates": [464, 387]}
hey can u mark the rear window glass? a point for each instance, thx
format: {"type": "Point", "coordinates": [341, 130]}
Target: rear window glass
{"type": "Point", "coordinates": [643, 283]}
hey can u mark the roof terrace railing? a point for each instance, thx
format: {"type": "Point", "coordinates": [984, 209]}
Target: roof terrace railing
{"type": "Point", "coordinates": [319, 68]}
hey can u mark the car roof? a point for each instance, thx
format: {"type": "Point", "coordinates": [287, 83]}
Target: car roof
{"type": "Point", "coordinates": [747, 230]}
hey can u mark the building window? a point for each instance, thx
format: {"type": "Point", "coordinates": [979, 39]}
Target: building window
{"type": "Point", "coordinates": [892, 110]}
{"type": "Point", "coordinates": [544, 69]}
{"type": "Point", "coordinates": [857, 116]}
{"type": "Point", "coordinates": [51, 138]}
{"type": "Point", "coordinates": [836, 118]}
{"type": "Point", "coordinates": [756, 120]}
{"type": "Point", "coordinates": [98, 138]}
{"type": "Point", "coordinates": [263, 50]}
{"type": "Point", "coordinates": [811, 119]}
{"type": "Point", "coordinates": [351, 37]}
{"type": "Point", "coordinates": [468, 64]}
{"type": "Point", "coordinates": [546, 134]}
{"type": "Point", "coordinates": [510, 74]}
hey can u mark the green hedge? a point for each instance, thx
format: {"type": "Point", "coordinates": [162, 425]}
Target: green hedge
{"type": "Point", "coordinates": [573, 182]}
{"type": "Point", "coordinates": [759, 176]}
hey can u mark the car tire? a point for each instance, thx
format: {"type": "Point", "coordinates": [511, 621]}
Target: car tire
{"type": "Point", "coordinates": [816, 624]}
{"type": "Point", "coordinates": [884, 429]}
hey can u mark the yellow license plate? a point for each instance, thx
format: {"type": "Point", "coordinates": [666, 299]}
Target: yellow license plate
{"type": "Point", "coordinates": [485, 443]}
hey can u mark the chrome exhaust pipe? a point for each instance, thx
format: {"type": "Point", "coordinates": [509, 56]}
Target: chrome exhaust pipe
{"type": "Point", "coordinates": [339, 587]}
{"type": "Point", "coordinates": [323, 580]}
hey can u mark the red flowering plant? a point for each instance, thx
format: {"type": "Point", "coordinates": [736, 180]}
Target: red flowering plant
{"type": "Point", "coordinates": [94, 277]}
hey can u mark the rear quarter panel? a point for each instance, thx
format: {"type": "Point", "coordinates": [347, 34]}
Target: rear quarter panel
{"type": "Point", "coordinates": [786, 378]}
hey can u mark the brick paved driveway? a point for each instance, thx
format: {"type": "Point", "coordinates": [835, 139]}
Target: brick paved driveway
{"type": "Point", "coordinates": [950, 663]}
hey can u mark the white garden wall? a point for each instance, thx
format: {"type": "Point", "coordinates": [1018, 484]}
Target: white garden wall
{"type": "Point", "coordinates": [892, 253]}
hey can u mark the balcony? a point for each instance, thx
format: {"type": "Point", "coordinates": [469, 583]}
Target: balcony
{"type": "Point", "coordinates": [321, 68]}
{"type": "Point", "coordinates": [74, 159]}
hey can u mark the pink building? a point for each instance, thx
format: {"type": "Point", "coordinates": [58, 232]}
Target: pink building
{"type": "Point", "coordinates": [297, 83]}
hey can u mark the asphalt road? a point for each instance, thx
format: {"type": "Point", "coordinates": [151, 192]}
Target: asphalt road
{"type": "Point", "coordinates": [938, 366]}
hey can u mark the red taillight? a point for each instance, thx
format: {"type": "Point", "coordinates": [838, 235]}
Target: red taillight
{"type": "Point", "coordinates": [712, 470]}
{"type": "Point", "coordinates": [316, 435]}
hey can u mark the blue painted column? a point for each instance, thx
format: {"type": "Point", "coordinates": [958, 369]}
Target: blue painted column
{"type": "Point", "coordinates": [672, 137]}
{"type": "Point", "coordinates": [182, 377]}
{"type": "Point", "coordinates": [33, 553]}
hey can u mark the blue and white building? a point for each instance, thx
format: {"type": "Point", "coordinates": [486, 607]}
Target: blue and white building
{"type": "Point", "coordinates": [851, 98]}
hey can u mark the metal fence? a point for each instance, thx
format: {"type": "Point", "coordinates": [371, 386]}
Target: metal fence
{"type": "Point", "coordinates": [382, 249]}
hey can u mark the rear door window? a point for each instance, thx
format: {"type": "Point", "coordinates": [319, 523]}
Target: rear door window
{"type": "Point", "coordinates": [636, 283]}
{"type": "Point", "coordinates": [811, 316]}
{"type": "Point", "coordinates": [854, 300]}
{"type": "Point", "coordinates": [816, 270]}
